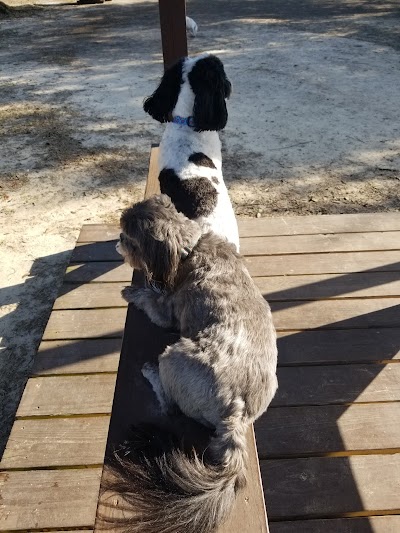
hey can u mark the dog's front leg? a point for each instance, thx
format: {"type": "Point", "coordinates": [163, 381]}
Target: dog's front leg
{"type": "Point", "coordinates": [154, 305]}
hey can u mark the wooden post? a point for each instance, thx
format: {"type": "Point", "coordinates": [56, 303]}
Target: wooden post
{"type": "Point", "coordinates": [173, 30]}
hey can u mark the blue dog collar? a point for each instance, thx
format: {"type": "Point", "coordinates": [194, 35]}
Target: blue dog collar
{"type": "Point", "coordinates": [184, 121]}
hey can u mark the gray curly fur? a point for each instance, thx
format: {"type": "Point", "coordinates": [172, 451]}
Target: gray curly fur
{"type": "Point", "coordinates": [222, 371]}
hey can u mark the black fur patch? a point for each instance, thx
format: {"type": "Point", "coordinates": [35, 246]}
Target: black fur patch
{"type": "Point", "coordinates": [194, 197]}
{"type": "Point", "coordinates": [201, 160]}
{"type": "Point", "coordinates": [215, 180]}
{"type": "Point", "coordinates": [210, 86]}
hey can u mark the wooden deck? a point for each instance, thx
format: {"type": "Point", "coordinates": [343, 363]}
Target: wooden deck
{"type": "Point", "coordinates": [328, 446]}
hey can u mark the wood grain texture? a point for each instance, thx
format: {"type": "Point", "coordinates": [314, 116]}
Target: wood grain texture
{"type": "Point", "coordinates": [337, 314]}
{"type": "Point", "coordinates": [90, 296]}
{"type": "Point", "coordinates": [297, 431]}
{"type": "Point", "coordinates": [85, 324]}
{"type": "Point", "coordinates": [333, 263]}
{"type": "Point", "coordinates": [54, 442]}
{"type": "Point", "coordinates": [48, 498]}
{"type": "Point", "coordinates": [98, 272]}
{"type": "Point", "coordinates": [331, 486]}
{"type": "Point", "coordinates": [287, 225]}
{"type": "Point", "coordinates": [269, 246]}
{"type": "Point", "coordinates": [318, 287]}
{"type": "Point", "coordinates": [338, 346]}
{"type": "Point", "coordinates": [274, 288]}
{"type": "Point", "coordinates": [372, 524]}
{"type": "Point", "coordinates": [67, 395]}
{"type": "Point", "coordinates": [173, 30]}
{"type": "Point", "coordinates": [303, 244]}
{"type": "Point", "coordinates": [152, 183]}
{"type": "Point", "coordinates": [321, 385]}
{"type": "Point", "coordinates": [77, 356]}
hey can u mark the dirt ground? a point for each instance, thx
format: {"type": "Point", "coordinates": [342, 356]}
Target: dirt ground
{"type": "Point", "coordinates": [314, 127]}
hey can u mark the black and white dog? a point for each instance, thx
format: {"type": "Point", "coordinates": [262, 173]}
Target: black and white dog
{"type": "Point", "coordinates": [191, 99]}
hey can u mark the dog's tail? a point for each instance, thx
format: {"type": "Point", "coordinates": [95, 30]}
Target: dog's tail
{"type": "Point", "coordinates": [178, 492]}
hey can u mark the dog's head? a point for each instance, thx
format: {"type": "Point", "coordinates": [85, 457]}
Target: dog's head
{"type": "Point", "coordinates": [196, 87]}
{"type": "Point", "coordinates": [153, 237]}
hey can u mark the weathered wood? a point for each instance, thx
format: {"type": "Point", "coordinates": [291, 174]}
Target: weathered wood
{"type": "Point", "coordinates": [90, 296]}
{"type": "Point", "coordinates": [333, 263]}
{"type": "Point", "coordinates": [316, 224]}
{"type": "Point", "coordinates": [152, 183]}
{"type": "Point", "coordinates": [338, 346]}
{"type": "Point", "coordinates": [98, 272]}
{"type": "Point", "coordinates": [77, 356]}
{"type": "Point", "coordinates": [337, 314]}
{"type": "Point", "coordinates": [314, 287]}
{"type": "Point", "coordinates": [173, 30]}
{"type": "Point", "coordinates": [67, 395]}
{"type": "Point", "coordinates": [287, 225]}
{"type": "Point", "coordinates": [303, 244]}
{"type": "Point", "coordinates": [95, 251]}
{"type": "Point", "coordinates": [48, 498]}
{"type": "Point", "coordinates": [297, 431]}
{"type": "Point", "coordinates": [280, 245]}
{"type": "Point", "coordinates": [320, 385]}
{"type": "Point", "coordinates": [275, 288]}
{"type": "Point", "coordinates": [53, 442]}
{"type": "Point", "coordinates": [85, 324]}
{"type": "Point", "coordinates": [371, 524]}
{"type": "Point", "coordinates": [331, 486]}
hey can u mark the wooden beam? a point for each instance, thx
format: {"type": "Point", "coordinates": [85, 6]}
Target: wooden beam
{"type": "Point", "coordinates": [173, 30]}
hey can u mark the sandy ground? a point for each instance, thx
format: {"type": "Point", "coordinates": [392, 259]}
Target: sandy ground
{"type": "Point", "coordinates": [314, 127]}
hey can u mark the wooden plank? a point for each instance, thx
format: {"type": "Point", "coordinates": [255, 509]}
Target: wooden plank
{"type": "Point", "coordinates": [371, 524]}
{"type": "Point", "coordinates": [173, 30]}
{"type": "Point", "coordinates": [300, 431]}
{"type": "Point", "coordinates": [48, 498]}
{"type": "Point", "coordinates": [337, 314]}
{"type": "Point", "coordinates": [53, 442]}
{"type": "Point", "coordinates": [85, 324]}
{"type": "Point", "coordinates": [87, 296]}
{"type": "Point", "coordinates": [99, 272]}
{"type": "Point", "coordinates": [313, 287]}
{"type": "Point", "coordinates": [67, 395]}
{"type": "Point", "coordinates": [319, 385]}
{"type": "Point", "coordinates": [112, 271]}
{"type": "Point", "coordinates": [275, 288]}
{"type": "Point", "coordinates": [331, 486]}
{"type": "Point", "coordinates": [77, 357]}
{"type": "Point", "coordinates": [264, 227]}
{"type": "Point", "coordinates": [303, 244]}
{"type": "Point", "coordinates": [338, 346]}
{"type": "Point", "coordinates": [152, 183]}
{"type": "Point", "coordinates": [333, 263]}
{"type": "Point", "coordinates": [316, 224]}
{"type": "Point", "coordinates": [267, 246]}
{"type": "Point", "coordinates": [95, 251]}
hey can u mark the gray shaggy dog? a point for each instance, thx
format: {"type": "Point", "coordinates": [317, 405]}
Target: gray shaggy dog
{"type": "Point", "coordinates": [222, 371]}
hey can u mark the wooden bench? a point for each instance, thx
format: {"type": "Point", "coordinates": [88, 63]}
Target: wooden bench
{"type": "Point", "coordinates": [53, 462]}
{"type": "Point", "coordinates": [328, 446]}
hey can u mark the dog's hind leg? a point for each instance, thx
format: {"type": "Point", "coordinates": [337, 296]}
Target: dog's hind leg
{"type": "Point", "coordinates": [151, 373]}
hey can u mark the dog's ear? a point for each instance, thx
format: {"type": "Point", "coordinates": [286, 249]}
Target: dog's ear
{"type": "Point", "coordinates": [211, 87]}
{"type": "Point", "coordinates": [161, 103]}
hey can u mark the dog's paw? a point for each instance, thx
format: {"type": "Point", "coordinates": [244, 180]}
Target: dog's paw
{"type": "Point", "coordinates": [150, 371]}
{"type": "Point", "coordinates": [136, 296]}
